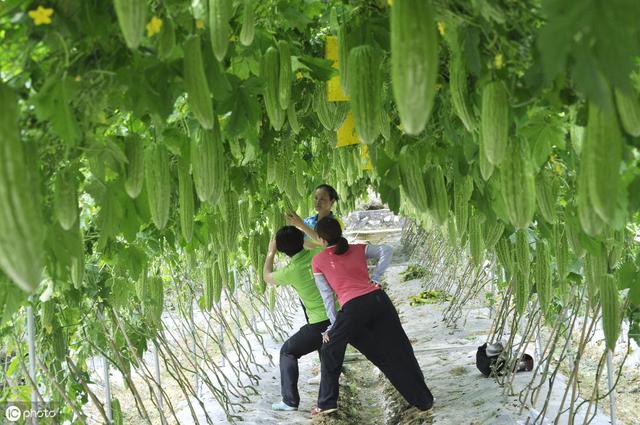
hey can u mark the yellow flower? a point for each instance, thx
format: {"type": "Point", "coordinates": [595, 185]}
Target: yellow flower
{"type": "Point", "coordinates": [499, 61]}
{"type": "Point", "coordinates": [154, 26]}
{"type": "Point", "coordinates": [299, 75]}
{"type": "Point", "coordinates": [41, 15]}
{"type": "Point", "coordinates": [78, 78]}
{"type": "Point", "coordinates": [441, 28]}
{"type": "Point", "coordinates": [199, 24]}
{"type": "Point", "coordinates": [390, 2]}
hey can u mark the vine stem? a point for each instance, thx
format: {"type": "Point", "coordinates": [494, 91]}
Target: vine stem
{"type": "Point", "coordinates": [107, 389]}
{"type": "Point", "coordinates": [31, 338]}
{"type": "Point", "coordinates": [612, 390]}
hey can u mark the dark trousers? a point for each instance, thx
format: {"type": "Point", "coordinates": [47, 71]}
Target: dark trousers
{"type": "Point", "coordinates": [305, 341]}
{"type": "Point", "coordinates": [371, 324]}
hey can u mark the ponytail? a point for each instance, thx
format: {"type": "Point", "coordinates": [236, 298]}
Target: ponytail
{"type": "Point", "coordinates": [341, 247]}
{"type": "Point", "coordinates": [329, 229]}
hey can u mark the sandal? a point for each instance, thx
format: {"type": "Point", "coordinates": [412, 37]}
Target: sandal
{"type": "Point", "coordinates": [316, 411]}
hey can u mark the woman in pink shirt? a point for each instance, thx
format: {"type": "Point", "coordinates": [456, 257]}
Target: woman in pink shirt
{"type": "Point", "coordinates": [367, 320]}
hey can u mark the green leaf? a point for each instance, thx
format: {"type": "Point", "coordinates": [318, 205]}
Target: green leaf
{"type": "Point", "coordinates": [217, 79]}
{"type": "Point", "coordinates": [245, 109]}
{"type": "Point", "coordinates": [626, 275]}
{"type": "Point", "coordinates": [633, 191]}
{"type": "Point", "coordinates": [555, 38]}
{"type": "Point", "coordinates": [588, 78]}
{"type": "Point", "coordinates": [293, 17]}
{"type": "Point", "coordinates": [616, 31]}
{"type": "Point", "coordinates": [543, 130]}
{"type": "Point", "coordinates": [634, 293]}
{"type": "Point", "coordinates": [8, 6]}
{"type": "Point", "coordinates": [319, 69]}
{"type": "Point", "coordinates": [11, 299]}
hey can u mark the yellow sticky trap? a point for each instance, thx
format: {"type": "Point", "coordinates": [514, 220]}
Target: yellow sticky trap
{"type": "Point", "coordinates": [365, 159]}
{"type": "Point", "coordinates": [347, 133]}
{"type": "Point", "coordinates": [331, 49]}
{"type": "Point", "coordinates": [334, 89]}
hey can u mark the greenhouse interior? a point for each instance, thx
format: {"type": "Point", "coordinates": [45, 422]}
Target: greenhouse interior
{"type": "Point", "coordinates": [320, 212]}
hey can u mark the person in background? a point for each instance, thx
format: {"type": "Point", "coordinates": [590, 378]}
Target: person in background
{"type": "Point", "coordinates": [367, 320]}
{"type": "Point", "coordinates": [325, 197]}
{"type": "Point", "coordinates": [297, 273]}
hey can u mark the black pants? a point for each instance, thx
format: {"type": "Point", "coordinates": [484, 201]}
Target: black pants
{"type": "Point", "coordinates": [305, 341]}
{"type": "Point", "coordinates": [371, 324]}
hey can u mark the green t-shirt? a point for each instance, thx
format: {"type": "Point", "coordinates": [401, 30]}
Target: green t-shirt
{"type": "Point", "coordinates": [298, 274]}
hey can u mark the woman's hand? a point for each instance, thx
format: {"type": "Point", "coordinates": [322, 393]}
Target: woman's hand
{"type": "Point", "coordinates": [293, 219]}
{"type": "Point", "coordinates": [325, 336]}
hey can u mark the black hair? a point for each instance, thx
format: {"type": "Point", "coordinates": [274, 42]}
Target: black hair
{"type": "Point", "coordinates": [333, 195]}
{"type": "Point", "coordinates": [329, 229]}
{"type": "Point", "coordinates": [290, 240]}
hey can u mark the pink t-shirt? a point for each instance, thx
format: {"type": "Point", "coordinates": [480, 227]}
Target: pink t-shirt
{"type": "Point", "coordinates": [347, 274]}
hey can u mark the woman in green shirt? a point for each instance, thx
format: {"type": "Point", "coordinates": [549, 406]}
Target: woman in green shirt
{"type": "Point", "coordinates": [308, 339]}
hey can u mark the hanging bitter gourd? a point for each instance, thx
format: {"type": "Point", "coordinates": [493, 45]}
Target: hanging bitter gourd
{"type": "Point", "coordinates": [610, 310]}
{"type": "Point", "coordinates": [65, 197]}
{"type": "Point", "coordinates": [543, 275]}
{"type": "Point", "coordinates": [462, 190]}
{"type": "Point", "coordinates": [220, 12]}
{"type": "Point", "coordinates": [208, 162]}
{"type": "Point", "coordinates": [167, 40]}
{"type": "Point", "coordinates": [158, 183]}
{"type": "Point", "coordinates": [414, 62]}
{"type": "Point", "coordinates": [134, 169]}
{"type": "Point", "coordinates": [494, 121]}
{"type": "Point", "coordinates": [492, 233]}
{"type": "Point", "coordinates": [628, 105]}
{"type": "Point", "coordinates": [437, 194]}
{"type": "Point", "coordinates": [590, 221]}
{"type": "Point", "coordinates": [459, 92]}
{"type": "Point", "coordinates": [518, 185]}
{"type": "Point", "coordinates": [21, 224]}
{"type": "Point", "coordinates": [132, 17]}
{"type": "Point", "coordinates": [285, 77]}
{"type": "Point", "coordinates": [365, 91]}
{"type": "Point", "coordinates": [521, 287]}
{"type": "Point", "coordinates": [600, 159]}
{"type": "Point", "coordinates": [547, 196]}
{"type": "Point", "coordinates": [504, 252]}
{"type": "Point", "coordinates": [186, 201]}
{"type": "Point", "coordinates": [476, 241]}
{"type": "Point", "coordinates": [522, 260]}
{"type": "Point", "coordinates": [330, 114]}
{"type": "Point", "coordinates": [413, 182]}
{"type": "Point", "coordinates": [270, 71]}
{"type": "Point", "coordinates": [196, 84]}
{"type": "Point", "coordinates": [248, 30]}
{"type": "Point", "coordinates": [595, 267]}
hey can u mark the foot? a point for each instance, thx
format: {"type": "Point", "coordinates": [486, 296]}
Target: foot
{"type": "Point", "coordinates": [316, 411]}
{"type": "Point", "coordinates": [314, 380]}
{"type": "Point", "coordinates": [414, 415]}
{"type": "Point", "coordinates": [283, 407]}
